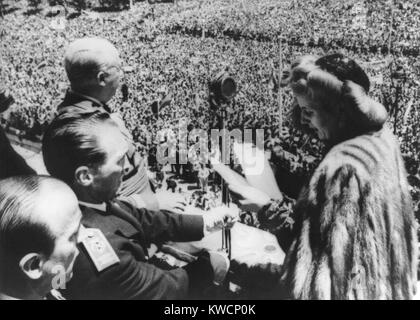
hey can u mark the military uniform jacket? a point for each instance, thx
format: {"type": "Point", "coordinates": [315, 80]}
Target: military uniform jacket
{"type": "Point", "coordinates": [133, 277]}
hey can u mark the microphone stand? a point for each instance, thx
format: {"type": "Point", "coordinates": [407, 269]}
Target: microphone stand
{"type": "Point", "coordinates": [226, 233]}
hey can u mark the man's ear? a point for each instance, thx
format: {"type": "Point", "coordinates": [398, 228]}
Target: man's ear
{"type": "Point", "coordinates": [31, 265]}
{"type": "Point", "coordinates": [101, 78]}
{"type": "Point", "coordinates": [83, 176]}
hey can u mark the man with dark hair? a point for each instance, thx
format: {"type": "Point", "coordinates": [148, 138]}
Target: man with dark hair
{"type": "Point", "coordinates": [71, 142]}
{"type": "Point", "coordinates": [89, 152]}
{"type": "Point", "coordinates": [94, 69]}
{"type": "Point", "coordinates": [39, 228]}
{"type": "Point", "coordinates": [11, 163]}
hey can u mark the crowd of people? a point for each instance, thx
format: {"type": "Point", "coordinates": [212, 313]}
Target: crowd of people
{"type": "Point", "coordinates": [367, 25]}
{"type": "Point", "coordinates": [162, 62]}
{"type": "Point", "coordinates": [163, 59]}
{"type": "Point", "coordinates": [150, 52]}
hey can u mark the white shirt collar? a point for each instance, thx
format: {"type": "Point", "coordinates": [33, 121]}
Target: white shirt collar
{"type": "Point", "coordinates": [97, 206]}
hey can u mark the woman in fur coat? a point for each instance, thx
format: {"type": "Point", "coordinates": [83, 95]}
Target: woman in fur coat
{"type": "Point", "coordinates": [352, 231]}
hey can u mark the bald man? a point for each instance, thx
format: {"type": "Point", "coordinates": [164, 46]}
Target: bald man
{"type": "Point", "coordinates": [93, 66]}
{"type": "Point", "coordinates": [39, 229]}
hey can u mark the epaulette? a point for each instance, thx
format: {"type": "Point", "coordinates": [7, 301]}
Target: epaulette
{"type": "Point", "coordinates": [99, 249]}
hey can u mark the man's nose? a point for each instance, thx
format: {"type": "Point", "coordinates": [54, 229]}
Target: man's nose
{"type": "Point", "coordinates": [127, 167]}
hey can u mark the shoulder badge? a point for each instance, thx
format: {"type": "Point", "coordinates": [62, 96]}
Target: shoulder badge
{"type": "Point", "coordinates": [99, 249]}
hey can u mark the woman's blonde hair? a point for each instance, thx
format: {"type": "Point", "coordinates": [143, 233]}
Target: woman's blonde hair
{"type": "Point", "coordinates": [339, 86]}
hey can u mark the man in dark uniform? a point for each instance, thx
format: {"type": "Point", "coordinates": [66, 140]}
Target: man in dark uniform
{"type": "Point", "coordinates": [11, 163]}
{"type": "Point", "coordinates": [90, 154]}
{"type": "Point", "coordinates": [94, 69]}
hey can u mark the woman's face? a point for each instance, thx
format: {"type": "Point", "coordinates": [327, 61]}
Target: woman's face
{"type": "Point", "coordinates": [317, 119]}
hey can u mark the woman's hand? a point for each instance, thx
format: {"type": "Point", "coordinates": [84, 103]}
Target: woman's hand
{"type": "Point", "coordinates": [220, 217]}
{"type": "Point", "coordinates": [248, 197]}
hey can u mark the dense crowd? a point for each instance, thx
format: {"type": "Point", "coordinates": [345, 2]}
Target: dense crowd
{"type": "Point", "coordinates": [358, 25]}
{"type": "Point", "coordinates": [175, 49]}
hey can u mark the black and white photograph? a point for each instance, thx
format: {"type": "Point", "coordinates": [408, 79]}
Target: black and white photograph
{"type": "Point", "coordinates": [225, 151]}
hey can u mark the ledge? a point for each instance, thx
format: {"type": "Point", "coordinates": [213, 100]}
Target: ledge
{"type": "Point", "coordinates": [23, 142]}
